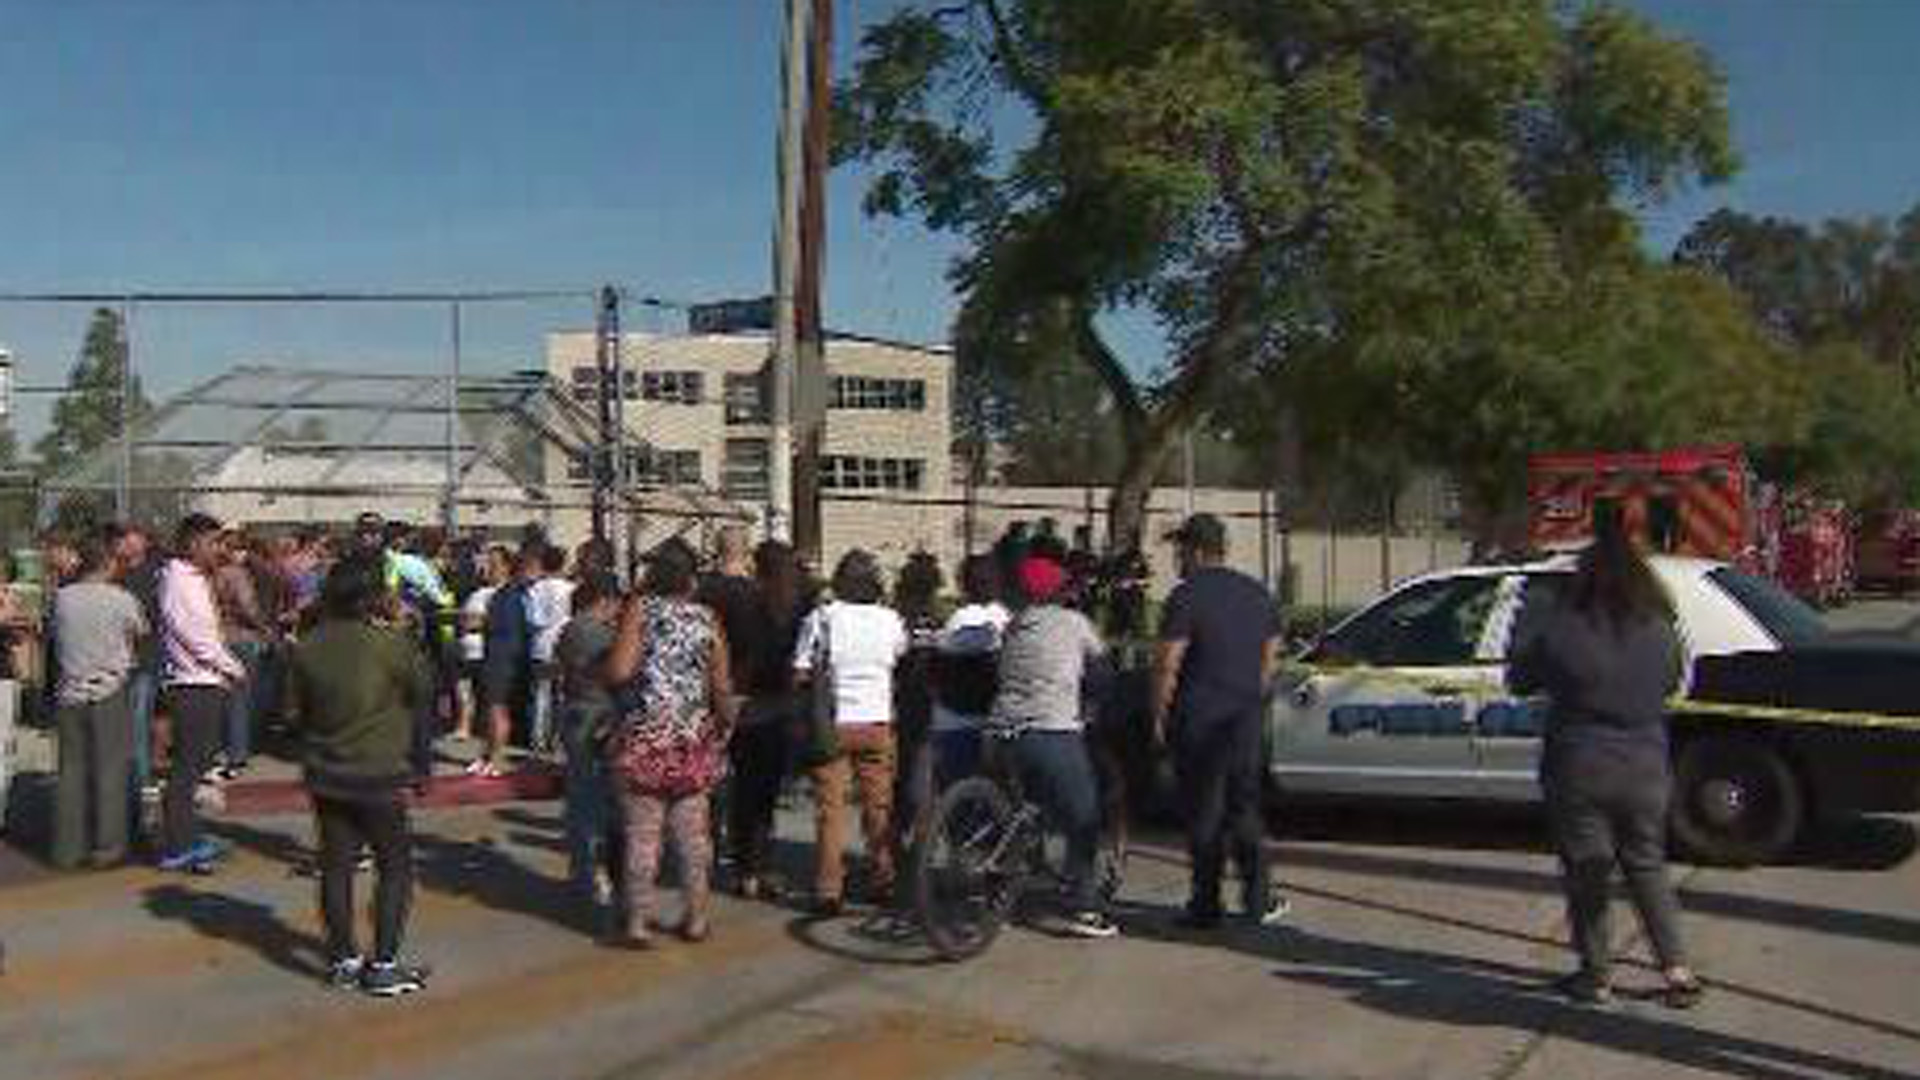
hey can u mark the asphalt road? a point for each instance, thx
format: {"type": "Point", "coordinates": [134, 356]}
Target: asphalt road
{"type": "Point", "coordinates": [1419, 948]}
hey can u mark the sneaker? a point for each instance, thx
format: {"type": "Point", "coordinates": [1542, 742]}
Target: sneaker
{"type": "Point", "coordinates": [200, 858]}
{"type": "Point", "coordinates": [1198, 921]}
{"type": "Point", "coordinates": [390, 979]}
{"type": "Point", "coordinates": [1273, 912]}
{"type": "Point", "coordinates": [345, 974]}
{"type": "Point", "coordinates": [1585, 988]}
{"type": "Point", "coordinates": [1092, 925]}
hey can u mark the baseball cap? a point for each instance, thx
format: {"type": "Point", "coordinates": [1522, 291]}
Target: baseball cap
{"type": "Point", "coordinates": [1200, 531]}
{"type": "Point", "coordinates": [1041, 579]}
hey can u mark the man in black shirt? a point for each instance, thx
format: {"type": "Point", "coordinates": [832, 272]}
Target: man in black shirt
{"type": "Point", "coordinates": [1219, 650]}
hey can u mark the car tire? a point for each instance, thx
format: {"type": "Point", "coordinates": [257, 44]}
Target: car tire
{"type": "Point", "coordinates": [1736, 801]}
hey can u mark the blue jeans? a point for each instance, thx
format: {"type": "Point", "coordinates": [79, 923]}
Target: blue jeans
{"type": "Point", "coordinates": [956, 756]}
{"type": "Point", "coordinates": [1056, 772]}
{"type": "Point", "coordinates": [143, 689]}
{"type": "Point", "coordinates": [241, 700]}
{"type": "Point", "coordinates": [588, 794]}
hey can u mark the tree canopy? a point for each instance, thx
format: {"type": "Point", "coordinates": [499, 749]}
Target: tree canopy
{"type": "Point", "coordinates": [1386, 188]}
{"type": "Point", "coordinates": [89, 415]}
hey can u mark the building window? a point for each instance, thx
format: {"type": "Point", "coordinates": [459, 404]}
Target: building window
{"type": "Point", "coordinates": [586, 383]}
{"type": "Point", "coordinates": [847, 473]}
{"type": "Point", "coordinates": [673, 387]}
{"type": "Point", "coordinates": [746, 399]}
{"type": "Point", "coordinates": [651, 466]}
{"type": "Point", "coordinates": [744, 475]}
{"type": "Point", "coordinates": [863, 392]}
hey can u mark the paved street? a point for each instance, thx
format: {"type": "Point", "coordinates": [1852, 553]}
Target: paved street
{"type": "Point", "coordinates": [1418, 949]}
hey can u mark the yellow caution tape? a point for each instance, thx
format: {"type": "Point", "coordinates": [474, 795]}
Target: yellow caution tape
{"type": "Point", "coordinates": [1678, 704]}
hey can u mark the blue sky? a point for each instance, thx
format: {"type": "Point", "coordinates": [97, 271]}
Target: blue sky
{"type": "Point", "coordinates": [482, 143]}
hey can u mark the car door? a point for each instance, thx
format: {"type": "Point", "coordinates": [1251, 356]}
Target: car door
{"type": "Point", "coordinates": [1384, 704]}
{"type": "Point", "coordinates": [1507, 730]}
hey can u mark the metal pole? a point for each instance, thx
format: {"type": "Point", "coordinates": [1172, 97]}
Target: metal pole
{"type": "Point", "coordinates": [1187, 445]}
{"type": "Point", "coordinates": [622, 538]}
{"type": "Point", "coordinates": [452, 508]}
{"type": "Point", "coordinates": [786, 272]}
{"type": "Point", "coordinates": [606, 467]}
{"type": "Point", "coordinates": [123, 490]}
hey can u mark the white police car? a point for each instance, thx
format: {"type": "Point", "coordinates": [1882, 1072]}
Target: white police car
{"type": "Point", "coordinates": [1407, 700]}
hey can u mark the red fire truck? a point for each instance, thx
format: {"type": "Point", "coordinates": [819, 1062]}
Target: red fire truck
{"type": "Point", "coordinates": [1705, 502]}
{"type": "Point", "coordinates": [1887, 550]}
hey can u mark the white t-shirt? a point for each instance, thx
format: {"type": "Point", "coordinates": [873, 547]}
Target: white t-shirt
{"type": "Point", "coordinates": [473, 642]}
{"type": "Point", "coordinates": [970, 631]}
{"type": "Point", "coordinates": [866, 641]}
{"type": "Point", "coordinates": [549, 606]}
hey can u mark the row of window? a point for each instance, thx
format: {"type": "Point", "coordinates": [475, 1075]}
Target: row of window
{"type": "Point", "coordinates": [746, 397]}
{"type": "Point", "coordinates": [650, 466]}
{"type": "Point", "coordinates": [865, 392]}
{"type": "Point", "coordinates": [671, 387]}
{"type": "Point", "coordinates": [847, 473]}
{"type": "Point", "coordinates": [743, 473]}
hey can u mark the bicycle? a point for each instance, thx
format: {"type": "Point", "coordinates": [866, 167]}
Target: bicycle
{"type": "Point", "coordinates": [986, 846]}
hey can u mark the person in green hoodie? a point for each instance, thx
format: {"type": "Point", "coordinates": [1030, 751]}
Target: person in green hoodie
{"type": "Point", "coordinates": [357, 690]}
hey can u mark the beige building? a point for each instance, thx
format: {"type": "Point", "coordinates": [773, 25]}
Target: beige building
{"type": "Point", "coordinates": [697, 415]}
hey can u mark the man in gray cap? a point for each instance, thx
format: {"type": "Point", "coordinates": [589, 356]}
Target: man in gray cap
{"type": "Point", "coordinates": [1219, 650]}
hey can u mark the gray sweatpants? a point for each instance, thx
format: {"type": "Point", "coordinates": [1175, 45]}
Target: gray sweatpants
{"type": "Point", "coordinates": [1608, 806]}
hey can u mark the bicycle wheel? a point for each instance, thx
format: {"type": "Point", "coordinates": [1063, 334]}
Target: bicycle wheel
{"type": "Point", "coordinates": [967, 868]}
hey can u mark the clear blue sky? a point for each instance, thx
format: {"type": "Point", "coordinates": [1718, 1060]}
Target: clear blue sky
{"type": "Point", "coordinates": [449, 143]}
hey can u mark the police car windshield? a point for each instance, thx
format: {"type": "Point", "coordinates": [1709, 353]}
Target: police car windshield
{"type": "Point", "coordinates": [1778, 611]}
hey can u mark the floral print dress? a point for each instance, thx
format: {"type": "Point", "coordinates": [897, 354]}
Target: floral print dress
{"type": "Point", "coordinates": [670, 742]}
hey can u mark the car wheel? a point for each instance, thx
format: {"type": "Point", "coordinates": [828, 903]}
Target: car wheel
{"type": "Point", "coordinates": [1736, 801]}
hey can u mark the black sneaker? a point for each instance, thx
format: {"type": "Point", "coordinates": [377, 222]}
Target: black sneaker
{"type": "Point", "coordinates": [1201, 922]}
{"type": "Point", "coordinates": [389, 979]}
{"type": "Point", "coordinates": [1092, 925]}
{"type": "Point", "coordinates": [345, 974]}
{"type": "Point", "coordinates": [1585, 988]}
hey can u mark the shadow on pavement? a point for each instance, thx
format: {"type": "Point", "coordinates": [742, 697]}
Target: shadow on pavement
{"type": "Point", "coordinates": [880, 937]}
{"type": "Point", "coordinates": [1859, 924]}
{"type": "Point", "coordinates": [242, 922]}
{"type": "Point", "coordinates": [488, 875]}
{"type": "Point", "coordinates": [1468, 992]}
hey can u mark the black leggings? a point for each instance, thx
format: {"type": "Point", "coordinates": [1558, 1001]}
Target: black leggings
{"type": "Point", "coordinates": [759, 753]}
{"type": "Point", "coordinates": [378, 822]}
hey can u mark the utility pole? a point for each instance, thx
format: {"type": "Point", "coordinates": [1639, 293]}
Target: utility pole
{"type": "Point", "coordinates": [609, 462]}
{"type": "Point", "coordinates": [786, 272]}
{"type": "Point", "coordinates": [810, 414]}
{"type": "Point", "coordinates": [123, 491]}
{"type": "Point", "coordinates": [452, 509]}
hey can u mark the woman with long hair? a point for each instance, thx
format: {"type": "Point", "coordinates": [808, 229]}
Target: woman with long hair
{"type": "Point", "coordinates": [853, 644]}
{"type": "Point", "coordinates": [1605, 654]}
{"type": "Point", "coordinates": [669, 670]}
{"type": "Point", "coordinates": [760, 748]}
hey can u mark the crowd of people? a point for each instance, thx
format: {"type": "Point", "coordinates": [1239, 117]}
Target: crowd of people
{"type": "Point", "coordinates": [681, 709]}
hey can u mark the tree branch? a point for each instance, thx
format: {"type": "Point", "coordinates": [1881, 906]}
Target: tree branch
{"type": "Point", "coordinates": [1019, 71]}
{"type": "Point", "coordinates": [1106, 364]}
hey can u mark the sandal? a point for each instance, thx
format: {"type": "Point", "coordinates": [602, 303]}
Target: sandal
{"type": "Point", "coordinates": [1683, 993]}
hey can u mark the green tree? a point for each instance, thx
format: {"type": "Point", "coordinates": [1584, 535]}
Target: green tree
{"type": "Point", "coordinates": [89, 415]}
{"type": "Point", "coordinates": [1269, 180]}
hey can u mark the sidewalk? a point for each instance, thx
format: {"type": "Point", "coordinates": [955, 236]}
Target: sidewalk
{"type": "Point", "coordinates": [270, 786]}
